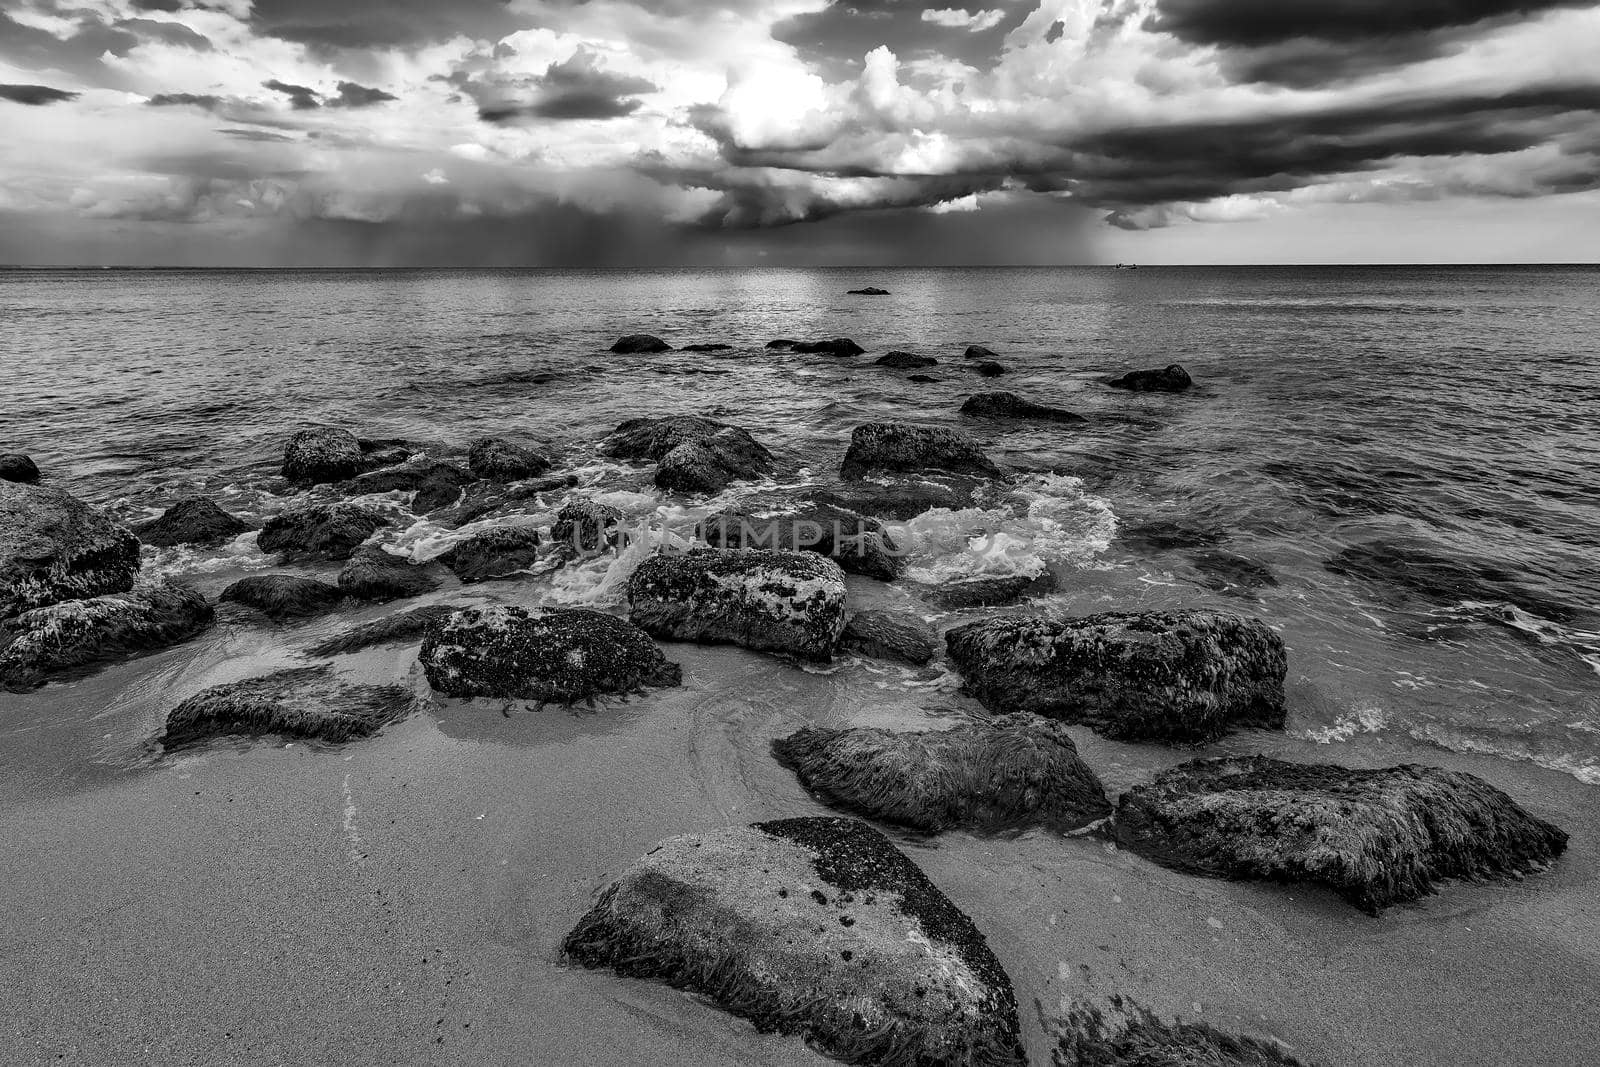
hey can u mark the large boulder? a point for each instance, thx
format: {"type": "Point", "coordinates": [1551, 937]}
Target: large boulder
{"type": "Point", "coordinates": [1377, 837]}
{"type": "Point", "coordinates": [968, 593]}
{"type": "Point", "coordinates": [1020, 771]}
{"type": "Point", "coordinates": [636, 343]}
{"type": "Point", "coordinates": [905, 361]}
{"type": "Point", "coordinates": [586, 526]}
{"type": "Point", "coordinates": [892, 635]}
{"type": "Point", "coordinates": [1012, 406]}
{"type": "Point", "coordinates": [54, 547]}
{"type": "Point", "coordinates": [309, 532]}
{"type": "Point", "coordinates": [562, 656]}
{"type": "Point", "coordinates": [1132, 1035]}
{"type": "Point", "coordinates": [195, 520]}
{"type": "Point", "coordinates": [16, 467]}
{"type": "Point", "coordinates": [46, 642]}
{"type": "Point", "coordinates": [500, 552]}
{"type": "Point", "coordinates": [375, 573]}
{"type": "Point", "coordinates": [838, 346]}
{"type": "Point", "coordinates": [814, 927]}
{"type": "Point", "coordinates": [694, 454]}
{"type": "Point", "coordinates": [881, 447]}
{"type": "Point", "coordinates": [405, 626]}
{"type": "Point", "coordinates": [498, 460]}
{"type": "Point", "coordinates": [322, 455]}
{"type": "Point", "coordinates": [859, 545]}
{"type": "Point", "coordinates": [1169, 379]}
{"type": "Point", "coordinates": [284, 596]}
{"type": "Point", "coordinates": [304, 702]}
{"type": "Point", "coordinates": [789, 602]}
{"type": "Point", "coordinates": [1175, 676]}
{"type": "Point", "coordinates": [434, 484]}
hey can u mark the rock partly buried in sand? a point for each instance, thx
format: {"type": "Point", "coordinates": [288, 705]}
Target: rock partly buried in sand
{"type": "Point", "coordinates": [497, 553]}
{"type": "Point", "coordinates": [319, 531]}
{"type": "Point", "coordinates": [16, 467]}
{"type": "Point", "coordinates": [586, 526]}
{"type": "Point", "coordinates": [990, 592]}
{"type": "Point", "coordinates": [880, 447]}
{"type": "Point", "coordinates": [195, 520]}
{"type": "Point", "coordinates": [790, 602]}
{"type": "Point", "coordinates": [1175, 676]}
{"type": "Point", "coordinates": [893, 635]}
{"type": "Point", "coordinates": [1170, 379]}
{"type": "Point", "coordinates": [1133, 1035]}
{"type": "Point", "coordinates": [1012, 406]}
{"type": "Point", "coordinates": [1376, 837]}
{"type": "Point", "coordinates": [905, 361]}
{"type": "Point", "coordinates": [375, 573]}
{"type": "Point", "coordinates": [284, 596]}
{"type": "Point", "coordinates": [859, 545]}
{"type": "Point", "coordinates": [979, 352]}
{"type": "Point", "coordinates": [636, 343]}
{"type": "Point", "coordinates": [54, 547]}
{"type": "Point", "coordinates": [1020, 771]}
{"type": "Point", "coordinates": [694, 454]}
{"type": "Point", "coordinates": [838, 346]}
{"type": "Point", "coordinates": [435, 483]}
{"type": "Point", "coordinates": [306, 702]}
{"type": "Point", "coordinates": [45, 642]}
{"type": "Point", "coordinates": [871, 290]}
{"type": "Point", "coordinates": [322, 454]}
{"type": "Point", "coordinates": [495, 459]}
{"type": "Point", "coordinates": [815, 927]}
{"type": "Point", "coordinates": [987, 368]}
{"type": "Point", "coordinates": [405, 626]}
{"type": "Point", "coordinates": [560, 656]}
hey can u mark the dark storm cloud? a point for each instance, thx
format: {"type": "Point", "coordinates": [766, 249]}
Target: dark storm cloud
{"type": "Point", "coordinates": [837, 37]}
{"type": "Point", "coordinates": [168, 6]}
{"type": "Point", "coordinates": [301, 98]}
{"type": "Point", "coordinates": [34, 95]}
{"type": "Point", "coordinates": [353, 95]}
{"type": "Point", "coordinates": [1254, 23]}
{"type": "Point", "coordinates": [364, 24]}
{"type": "Point", "coordinates": [81, 53]}
{"type": "Point", "coordinates": [204, 101]}
{"type": "Point", "coordinates": [576, 88]}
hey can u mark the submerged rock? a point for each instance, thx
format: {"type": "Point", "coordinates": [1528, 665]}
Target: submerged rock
{"type": "Point", "coordinates": [45, 642]}
{"type": "Point", "coordinates": [1162, 534]}
{"type": "Point", "coordinates": [781, 342]}
{"type": "Point", "coordinates": [1012, 406]}
{"type": "Point", "coordinates": [305, 702]}
{"type": "Point", "coordinates": [695, 455]}
{"type": "Point", "coordinates": [195, 520]}
{"type": "Point", "coordinates": [905, 361]}
{"type": "Point", "coordinates": [586, 526]}
{"type": "Point", "coordinates": [498, 460]}
{"type": "Point", "coordinates": [284, 596]}
{"type": "Point", "coordinates": [899, 446]}
{"type": "Point", "coordinates": [636, 343]}
{"type": "Point", "coordinates": [1135, 1036]}
{"type": "Point", "coordinates": [895, 635]}
{"type": "Point", "coordinates": [990, 592]}
{"type": "Point", "coordinates": [563, 656]}
{"type": "Point", "coordinates": [859, 545]}
{"type": "Point", "coordinates": [435, 483]}
{"type": "Point", "coordinates": [375, 573]}
{"type": "Point", "coordinates": [322, 454]}
{"type": "Point", "coordinates": [1231, 574]}
{"type": "Point", "coordinates": [988, 368]}
{"type": "Point", "coordinates": [484, 498]}
{"type": "Point", "coordinates": [923, 379]}
{"type": "Point", "coordinates": [402, 627]}
{"type": "Point", "coordinates": [814, 927]}
{"type": "Point", "coordinates": [871, 290]}
{"type": "Point", "coordinates": [899, 501]}
{"type": "Point", "coordinates": [500, 552]}
{"type": "Point", "coordinates": [1170, 379]}
{"type": "Point", "coordinates": [706, 348]}
{"type": "Point", "coordinates": [16, 467]}
{"type": "Point", "coordinates": [1175, 676]}
{"type": "Point", "coordinates": [791, 602]}
{"type": "Point", "coordinates": [319, 531]}
{"type": "Point", "coordinates": [54, 547]}
{"type": "Point", "coordinates": [1019, 771]}
{"type": "Point", "coordinates": [1398, 570]}
{"type": "Point", "coordinates": [1377, 837]}
{"type": "Point", "coordinates": [979, 352]}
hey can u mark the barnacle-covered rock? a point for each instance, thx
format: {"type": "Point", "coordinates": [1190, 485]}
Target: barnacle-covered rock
{"type": "Point", "coordinates": [498, 460]}
{"type": "Point", "coordinates": [883, 447]}
{"type": "Point", "coordinates": [323, 454]}
{"type": "Point", "coordinates": [586, 526]}
{"type": "Point", "coordinates": [500, 552]}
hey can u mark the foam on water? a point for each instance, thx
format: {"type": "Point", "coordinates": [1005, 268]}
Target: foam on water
{"type": "Point", "coordinates": [1369, 720]}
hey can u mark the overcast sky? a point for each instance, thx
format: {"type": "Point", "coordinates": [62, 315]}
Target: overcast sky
{"type": "Point", "coordinates": [622, 132]}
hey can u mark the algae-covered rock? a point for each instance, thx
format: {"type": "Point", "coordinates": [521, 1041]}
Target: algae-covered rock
{"type": "Point", "coordinates": [319, 531]}
{"type": "Point", "coordinates": [895, 635]}
{"type": "Point", "coordinates": [990, 592]}
{"type": "Point", "coordinates": [401, 627]}
{"type": "Point", "coordinates": [54, 547]}
{"type": "Point", "coordinates": [195, 520]}
{"type": "Point", "coordinates": [322, 454]}
{"type": "Point", "coordinates": [305, 702]}
{"type": "Point", "coordinates": [1377, 838]}
{"type": "Point", "coordinates": [498, 460]}
{"type": "Point", "coordinates": [1130, 1035]}
{"type": "Point", "coordinates": [1019, 771]}
{"type": "Point", "coordinates": [1012, 406]}
{"type": "Point", "coordinates": [881, 447]}
{"type": "Point", "coordinates": [284, 596]}
{"type": "Point", "coordinates": [814, 927]}
{"type": "Point", "coordinates": [1176, 676]}
{"type": "Point", "coordinates": [500, 552]}
{"type": "Point", "coordinates": [858, 544]}
{"type": "Point", "coordinates": [375, 573]}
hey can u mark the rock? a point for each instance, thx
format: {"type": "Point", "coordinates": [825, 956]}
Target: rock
{"type": "Point", "coordinates": [979, 352]}
{"type": "Point", "coordinates": [45, 642]}
{"type": "Point", "coordinates": [839, 346]}
{"type": "Point", "coordinates": [905, 361]}
{"type": "Point", "coordinates": [305, 702]}
{"type": "Point", "coordinates": [923, 379]}
{"type": "Point", "coordinates": [1012, 406]}
{"type": "Point", "coordinates": [483, 498]}
{"type": "Point", "coordinates": [284, 596]}
{"type": "Point", "coordinates": [636, 343]}
{"type": "Point", "coordinates": [1174, 676]}
{"type": "Point", "coordinates": [1376, 837]}
{"type": "Point", "coordinates": [320, 455]}
{"type": "Point", "coordinates": [562, 656]}
{"type": "Point", "coordinates": [1231, 574]}
{"type": "Point", "coordinates": [497, 460]}
{"type": "Point", "coordinates": [990, 592]}
{"type": "Point", "coordinates": [900, 446]}
{"type": "Point", "coordinates": [1414, 571]}
{"type": "Point", "coordinates": [403, 627]}
{"type": "Point", "coordinates": [1171, 379]}
{"type": "Point", "coordinates": [54, 547]}
{"type": "Point", "coordinates": [782, 342]}
{"type": "Point", "coordinates": [1019, 772]}
{"type": "Point", "coordinates": [791, 602]}
{"type": "Point", "coordinates": [195, 520]}
{"type": "Point", "coordinates": [859, 545]}
{"type": "Point", "coordinates": [899, 502]}
{"type": "Point", "coordinates": [705, 348]}
{"type": "Point", "coordinates": [695, 455]}
{"type": "Point", "coordinates": [435, 483]}
{"type": "Point", "coordinates": [319, 531]}
{"type": "Point", "coordinates": [895, 635]}
{"type": "Point", "coordinates": [1135, 1036]}
{"type": "Point", "coordinates": [375, 573]}
{"type": "Point", "coordinates": [1162, 534]}
{"type": "Point", "coordinates": [988, 369]}
{"type": "Point", "coordinates": [871, 290]}
{"type": "Point", "coordinates": [585, 525]}
{"type": "Point", "coordinates": [500, 552]}
{"type": "Point", "coordinates": [815, 927]}
{"type": "Point", "coordinates": [15, 467]}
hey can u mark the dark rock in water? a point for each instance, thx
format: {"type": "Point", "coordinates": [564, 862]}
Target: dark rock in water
{"type": "Point", "coordinates": [46, 642]}
{"type": "Point", "coordinates": [54, 547]}
{"type": "Point", "coordinates": [320, 455]}
{"type": "Point", "coordinates": [729, 455]}
{"type": "Point", "coordinates": [791, 602]}
{"type": "Point", "coordinates": [838, 346]}
{"type": "Point", "coordinates": [859, 545]}
{"type": "Point", "coordinates": [979, 352]}
{"type": "Point", "coordinates": [871, 290]}
{"type": "Point", "coordinates": [284, 596]}
{"type": "Point", "coordinates": [403, 627]}
{"type": "Point", "coordinates": [380, 454]}
{"type": "Point", "coordinates": [15, 467]}
{"type": "Point", "coordinates": [1162, 534]}
{"type": "Point", "coordinates": [636, 343]}
{"type": "Point", "coordinates": [1019, 771]}
{"type": "Point", "coordinates": [923, 379]}
{"type": "Point", "coordinates": [306, 702]}
{"type": "Point", "coordinates": [497, 460]}
{"type": "Point", "coordinates": [586, 525]}
{"type": "Point", "coordinates": [194, 520]}
{"type": "Point", "coordinates": [500, 552]}
{"type": "Point", "coordinates": [437, 484]}
{"type": "Point", "coordinates": [1135, 1036]}
{"type": "Point", "coordinates": [1419, 572]}
{"type": "Point", "coordinates": [899, 446]}
{"type": "Point", "coordinates": [1171, 379]}
{"type": "Point", "coordinates": [319, 531]}
{"type": "Point", "coordinates": [375, 573]}
{"type": "Point", "coordinates": [1012, 406]}
{"type": "Point", "coordinates": [814, 927]}
{"type": "Point", "coordinates": [560, 656]}
{"type": "Point", "coordinates": [1174, 676]}
{"type": "Point", "coordinates": [782, 342]}
{"type": "Point", "coordinates": [705, 348]}
{"type": "Point", "coordinates": [641, 439]}
{"type": "Point", "coordinates": [898, 502]}
{"type": "Point", "coordinates": [905, 361]}
{"type": "Point", "coordinates": [990, 592]}
{"type": "Point", "coordinates": [1377, 837]}
{"type": "Point", "coordinates": [1231, 574]}
{"type": "Point", "coordinates": [988, 368]}
{"type": "Point", "coordinates": [895, 635]}
{"type": "Point", "coordinates": [483, 498]}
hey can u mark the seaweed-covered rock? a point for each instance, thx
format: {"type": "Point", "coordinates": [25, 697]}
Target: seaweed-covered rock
{"type": "Point", "coordinates": [1019, 771]}
{"type": "Point", "coordinates": [195, 520]}
{"type": "Point", "coordinates": [498, 460]}
{"type": "Point", "coordinates": [987, 368]}
{"type": "Point", "coordinates": [434, 483]}
{"type": "Point", "coordinates": [1012, 406]}
{"type": "Point", "coordinates": [879, 447]}
{"type": "Point", "coordinates": [979, 352]}
{"type": "Point", "coordinates": [1169, 379]}
{"type": "Point", "coordinates": [54, 547]}
{"type": "Point", "coordinates": [586, 525]}
{"type": "Point", "coordinates": [565, 655]}
{"type": "Point", "coordinates": [637, 343]}
{"type": "Point", "coordinates": [838, 346]}
{"type": "Point", "coordinates": [501, 552]}
{"type": "Point", "coordinates": [871, 290]}
{"type": "Point", "coordinates": [45, 642]}
{"type": "Point", "coordinates": [1377, 838]}
{"type": "Point", "coordinates": [322, 454]}
{"type": "Point", "coordinates": [695, 455]}
{"type": "Point", "coordinates": [896, 635]}
{"type": "Point", "coordinates": [284, 596]}
{"type": "Point", "coordinates": [319, 531]}
{"type": "Point", "coordinates": [791, 602]}
{"type": "Point", "coordinates": [905, 361]}
{"type": "Point", "coordinates": [1133, 1036]}
{"type": "Point", "coordinates": [305, 702]}
{"type": "Point", "coordinates": [859, 545]}
{"type": "Point", "coordinates": [815, 927]}
{"type": "Point", "coordinates": [404, 626]}
{"type": "Point", "coordinates": [1176, 676]}
{"type": "Point", "coordinates": [375, 573]}
{"type": "Point", "coordinates": [990, 592]}
{"type": "Point", "coordinates": [16, 467]}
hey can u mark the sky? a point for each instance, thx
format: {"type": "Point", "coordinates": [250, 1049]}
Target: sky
{"type": "Point", "coordinates": [797, 132]}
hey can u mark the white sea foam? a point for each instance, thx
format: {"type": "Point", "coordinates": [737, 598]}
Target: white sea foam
{"type": "Point", "coordinates": [1361, 721]}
